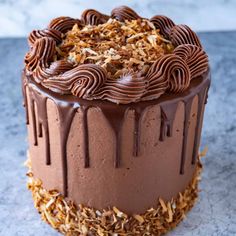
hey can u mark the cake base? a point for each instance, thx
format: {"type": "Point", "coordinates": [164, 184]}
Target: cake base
{"type": "Point", "coordinates": [70, 219]}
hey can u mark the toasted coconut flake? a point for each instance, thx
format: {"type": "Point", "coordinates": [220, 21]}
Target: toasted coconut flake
{"type": "Point", "coordinates": [204, 152]}
{"type": "Point", "coordinates": [163, 205]}
{"type": "Point", "coordinates": [139, 218]}
{"type": "Point", "coordinates": [115, 43]}
{"type": "Point", "coordinates": [119, 213]}
{"type": "Point", "coordinates": [71, 220]}
{"type": "Point", "coordinates": [170, 213]}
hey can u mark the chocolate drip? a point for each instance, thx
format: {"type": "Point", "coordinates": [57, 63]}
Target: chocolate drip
{"type": "Point", "coordinates": [85, 133]}
{"type": "Point", "coordinates": [68, 105]}
{"type": "Point", "coordinates": [115, 118]}
{"type": "Point", "coordinates": [66, 114]}
{"type": "Point", "coordinates": [167, 119]}
{"type": "Point", "coordinates": [25, 101]}
{"type": "Point", "coordinates": [32, 107]}
{"type": "Point", "coordinates": [138, 112]}
{"type": "Point", "coordinates": [188, 105]}
{"type": "Point", "coordinates": [202, 99]}
{"type": "Point", "coordinates": [41, 104]}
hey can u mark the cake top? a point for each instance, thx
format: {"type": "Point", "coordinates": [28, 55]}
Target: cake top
{"type": "Point", "coordinates": [119, 47]}
{"type": "Point", "coordinates": [121, 58]}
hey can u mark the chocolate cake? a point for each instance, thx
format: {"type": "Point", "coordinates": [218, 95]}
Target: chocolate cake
{"type": "Point", "coordinates": [114, 110]}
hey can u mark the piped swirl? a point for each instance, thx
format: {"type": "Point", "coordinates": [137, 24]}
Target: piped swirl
{"type": "Point", "coordinates": [93, 17]}
{"type": "Point", "coordinates": [169, 72]}
{"type": "Point", "coordinates": [63, 23]}
{"type": "Point", "coordinates": [82, 81]}
{"type": "Point", "coordinates": [129, 88]}
{"type": "Point", "coordinates": [164, 24]}
{"type": "Point", "coordinates": [182, 34]}
{"type": "Point", "coordinates": [51, 33]}
{"type": "Point", "coordinates": [56, 68]}
{"type": "Point", "coordinates": [41, 54]}
{"type": "Point", "coordinates": [195, 57]}
{"type": "Point", "coordinates": [123, 13]}
{"type": "Point", "coordinates": [39, 61]}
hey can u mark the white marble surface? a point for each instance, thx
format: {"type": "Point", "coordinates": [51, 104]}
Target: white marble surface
{"type": "Point", "coordinates": [215, 211]}
{"type": "Point", "coordinates": [18, 18]}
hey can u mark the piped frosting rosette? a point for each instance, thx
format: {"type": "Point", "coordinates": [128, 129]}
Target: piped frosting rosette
{"type": "Point", "coordinates": [170, 73]}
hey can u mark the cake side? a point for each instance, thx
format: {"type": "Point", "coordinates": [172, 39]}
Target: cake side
{"type": "Point", "coordinates": [101, 154]}
{"type": "Point", "coordinates": [53, 208]}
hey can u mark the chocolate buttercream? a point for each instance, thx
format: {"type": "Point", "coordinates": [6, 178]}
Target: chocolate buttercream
{"type": "Point", "coordinates": [93, 17]}
{"type": "Point", "coordinates": [123, 13]}
{"type": "Point", "coordinates": [163, 23]}
{"type": "Point", "coordinates": [82, 81]}
{"type": "Point", "coordinates": [63, 23]}
{"type": "Point", "coordinates": [182, 34]}
{"type": "Point", "coordinates": [66, 108]}
{"type": "Point", "coordinates": [195, 57]}
{"type": "Point", "coordinates": [170, 73]}
{"type": "Point", "coordinates": [51, 33]}
{"type": "Point", "coordinates": [129, 88]}
{"type": "Point", "coordinates": [40, 57]}
{"type": "Point", "coordinates": [101, 154]}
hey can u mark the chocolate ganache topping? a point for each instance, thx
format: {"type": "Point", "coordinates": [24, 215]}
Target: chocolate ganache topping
{"type": "Point", "coordinates": [175, 51]}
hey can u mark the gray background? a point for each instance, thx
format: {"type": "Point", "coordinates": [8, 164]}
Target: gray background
{"type": "Point", "coordinates": [215, 211]}
{"type": "Point", "coordinates": [18, 18]}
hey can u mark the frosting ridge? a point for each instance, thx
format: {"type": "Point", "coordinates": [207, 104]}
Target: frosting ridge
{"type": "Point", "coordinates": [81, 81]}
{"type": "Point", "coordinates": [51, 33]}
{"type": "Point", "coordinates": [182, 34]}
{"type": "Point", "coordinates": [63, 23]}
{"type": "Point", "coordinates": [123, 13]}
{"type": "Point", "coordinates": [170, 73]}
{"type": "Point", "coordinates": [163, 23]}
{"type": "Point", "coordinates": [40, 55]}
{"type": "Point", "coordinates": [128, 88]}
{"type": "Point", "coordinates": [93, 17]}
{"type": "Point", "coordinates": [195, 57]}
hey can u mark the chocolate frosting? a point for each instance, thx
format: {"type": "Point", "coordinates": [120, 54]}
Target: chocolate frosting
{"type": "Point", "coordinates": [51, 33]}
{"type": "Point", "coordinates": [40, 57]}
{"type": "Point", "coordinates": [63, 23]}
{"type": "Point", "coordinates": [93, 17]}
{"type": "Point", "coordinates": [128, 88]}
{"type": "Point", "coordinates": [81, 81]}
{"type": "Point", "coordinates": [195, 57]}
{"type": "Point", "coordinates": [123, 13]}
{"type": "Point", "coordinates": [169, 74]}
{"type": "Point", "coordinates": [164, 24]}
{"type": "Point", "coordinates": [56, 68]}
{"type": "Point", "coordinates": [182, 34]}
{"type": "Point", "coordinates": [68, 105]}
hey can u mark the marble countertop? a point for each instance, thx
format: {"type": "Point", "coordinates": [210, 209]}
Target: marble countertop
{"type": "Point", "coordinates": [18, 18]}
{"type": "Point", "coordinates": [214, 213]}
